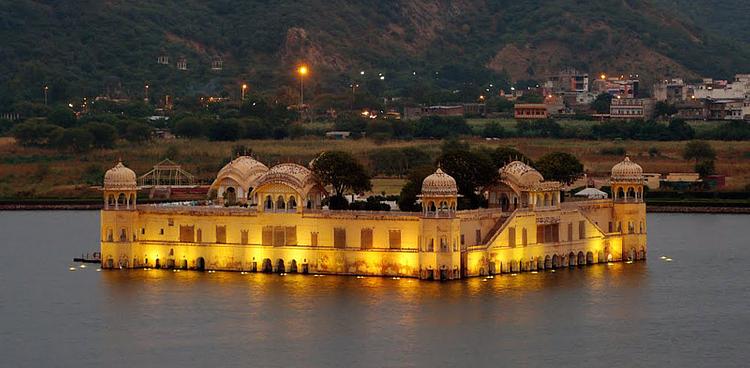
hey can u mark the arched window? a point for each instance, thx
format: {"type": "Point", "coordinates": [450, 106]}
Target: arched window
{"type": "Point", "coordinates": [292, 203]}
{"type": "Point", "coordinates": [539, 200]}
{"type": "Point", "coordinates": [123, 235]}
{"type": "Point", "coordinates": [121, 200]}
{"type": "Point", "coordinates": [280, 205]}
{"type": "Point", "coordinates": [620, 193]}
{"type": "Point", "coordinates": [546, 199]}
{"type": "Point", "coordinates": [631, 193]}
{"type": "Point", "coordinates": [230, 196]}
{"type": "Point", "coordinates": [431, 207]}
{"type": "Point", "coordinates": [268, 203]}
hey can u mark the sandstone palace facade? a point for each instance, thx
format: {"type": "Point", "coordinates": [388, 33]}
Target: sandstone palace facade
{"type": "Point", "coordinates": [284, 227]}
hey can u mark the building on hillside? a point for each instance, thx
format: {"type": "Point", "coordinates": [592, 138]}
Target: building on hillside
{"type": "Point", "coordinates": [691, 109]}
{"type": "Point", "coordinates": [338, 134]}
{"type": "Point", "coordinates": [272, 220]}
{"type": "Point", "coordinates": [652, 180]}
{"type": "Point", "coordinates": [530, 111]}
{"type": "Point", "coordinates": [622, 87]}
{"type": "Point", "coordinates": [414, 113]}
{"type": "Point", "coordinates": [568, 80]}
{"type": "Point", "coordinates": [725, 109]}
{"type": "Point", "coordinates": [182, 63]}
{"type": "Point", "coordinates": [670, 90]}
{"type": "Point", "coordinates": [713, 89]}
{"type": "Point", "coordinates": [631, 108]}
{"type": "Point", "coordinates": [162, 59]}
{"type": "Point", "coordinates": [217, 63]}
{"type": "Point", "coordinates": [475, 109]}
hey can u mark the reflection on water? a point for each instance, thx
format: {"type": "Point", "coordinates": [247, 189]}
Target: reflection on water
{"type": "Point", "coordinates": [653, 313]}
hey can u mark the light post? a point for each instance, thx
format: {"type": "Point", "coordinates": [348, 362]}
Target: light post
{"type": "Point", "coordinates": [242, 94]}
{"type": "Point", "coordinates": [302, 71]}
{"type": "Point", "coordinates": [46, 89]}
{"type": "Point", "coordinates": [354, 87]}
{"type": "Point", "coordinates": [145, 91]}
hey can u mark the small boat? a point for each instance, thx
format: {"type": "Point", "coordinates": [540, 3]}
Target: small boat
{"type": "Point", "coordinates": [96, 257]}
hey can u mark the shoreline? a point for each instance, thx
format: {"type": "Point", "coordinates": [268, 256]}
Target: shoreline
{"type": "Point", "coordinates": [97, 206]}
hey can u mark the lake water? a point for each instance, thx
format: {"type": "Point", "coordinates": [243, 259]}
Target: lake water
{"type": "Point", "coordinates": [694, 311]}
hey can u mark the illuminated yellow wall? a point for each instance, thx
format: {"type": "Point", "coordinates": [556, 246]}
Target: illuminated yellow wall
{"type": "Point", "coordinates": [153, 233]}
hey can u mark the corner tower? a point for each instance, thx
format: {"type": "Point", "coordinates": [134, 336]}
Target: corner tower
{"type": "Point", "coordinates": [120, 188]}
{"type": "Point", "coordinates": [439, 250]}
{"type": "Point", "coordinates": [118, 217]}
{"type": "Point", "coordinates": [629, 209]}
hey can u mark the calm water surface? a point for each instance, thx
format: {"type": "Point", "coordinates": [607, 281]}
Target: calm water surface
{"type": "Point", "coordinates": [694, 311]}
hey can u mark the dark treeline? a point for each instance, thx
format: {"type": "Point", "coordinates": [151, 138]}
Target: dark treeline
{"type": "Point", "coordinates": [106, 123]}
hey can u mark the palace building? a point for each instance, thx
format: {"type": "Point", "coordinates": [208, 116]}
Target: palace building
{"type": "Point", "coordinates": [273, 220]}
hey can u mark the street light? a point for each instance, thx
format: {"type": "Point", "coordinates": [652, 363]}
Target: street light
{"type": "Point", "coordinates": [46, 89]}
{"type": "Point", "coordinates": [242, 92]}
{"type": "Point", "coordinates": [146, 92]}
{"type": "Point", "coordinates": [302, 71]}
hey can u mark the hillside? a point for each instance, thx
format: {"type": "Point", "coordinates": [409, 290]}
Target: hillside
{"type": "Point", "coordinates": [87, 47]}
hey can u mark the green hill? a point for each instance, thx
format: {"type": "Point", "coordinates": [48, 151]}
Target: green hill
{"type": "Point", "coordinates": [91, 47]}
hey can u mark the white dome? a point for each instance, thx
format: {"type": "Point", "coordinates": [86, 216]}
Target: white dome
{"type": "Point", "coordinates": [521, 174]}
{"type": "Point", "coordinates": [439, 184]}
{"type": "Point", "coordinates": [627, 171]}
{"type": "Point", "coordinates": [120, 178]}
{"type": "Point", "coordinates": [245, 171]}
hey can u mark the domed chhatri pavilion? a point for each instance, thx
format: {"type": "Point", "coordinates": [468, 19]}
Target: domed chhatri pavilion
{"type": "Point", "coordinates": [273, 220]}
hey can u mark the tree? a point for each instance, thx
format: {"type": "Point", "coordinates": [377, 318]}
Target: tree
{"type": "Point", "coordinates": [407, 199]}
{"type": "Point", "coordinates": [680, 130]}
{"type": "Point", "coordinates": [539, 128]}
{"type": "Point", "coordinates": [62, 116]}
{"type": "Point", "coordinates": [35, 133]}
{"type": "Point", "coordinates": [698, 151]}
{"type": "Point", "coordinates": [601, 103]}
{"type": "Point", "coordinates": [137, 132]}
{"type": "Point", "coordinates": [190, 127]}
{"type": "Point", "coordinates": [560, 166]}
{"type": "Point", "coordinates": [705, 168]}
{"type": "Point", "coordinates": [225, 130]}
{"type": "Point", "coordinates": [104, 135]}
{"type": "Point", "coordinates": [663, 109]}
{"type": "Point", "coordinates": [493, 129]}
{"type": "Point", "coordinates": [502, 156]}
{"type": "Point", "coordinates": [342, 171]}
{"type": "Point", "coordinates": [75, 139]}
{"type": "Point", "coordinates": [472, 170]}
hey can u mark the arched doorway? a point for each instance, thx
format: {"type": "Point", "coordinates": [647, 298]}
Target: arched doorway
{"type": "Point", "coordinates": [571, 259]}
{"type": "Point", "coordinates": [268, 203]}
{"type": "Point", "coordinates": [504, 202]}
{"type": "Point", "coordinates": [184, 265]}
{"type": "Point", "coordinates": [267, 267]}
{"type": "Point", "coordinates": [589, 257]}
{"type": "Point", "coordinates": [230, 195]}
{"type": "Point", "coordinates": [539, 263]}
{"type": "Point", "coordinates": [280, 205]}
{"type": "Point", "coordinates": [547, 262]}
{"type": "Point", "coordinates": [157, 264]}
{"type": "Point", "coordinates": [642, 254]}
{"type": "Point", "coordinates": [631, 254]}
{"type": "Point", "coordinates": [280, 266]}
{"type": "Point", "coordinates": [581, 259]}
{"type": "Point", "coordinates": [512, 266]}
{"type": "Point", "coordinates": [292, 203]}
{"type": "Point", "coordinates": [200, 264]}
{"type": "Point", "coordinates": [293, 266]}
{"type": "Point", "coordinates": [555, 261]}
